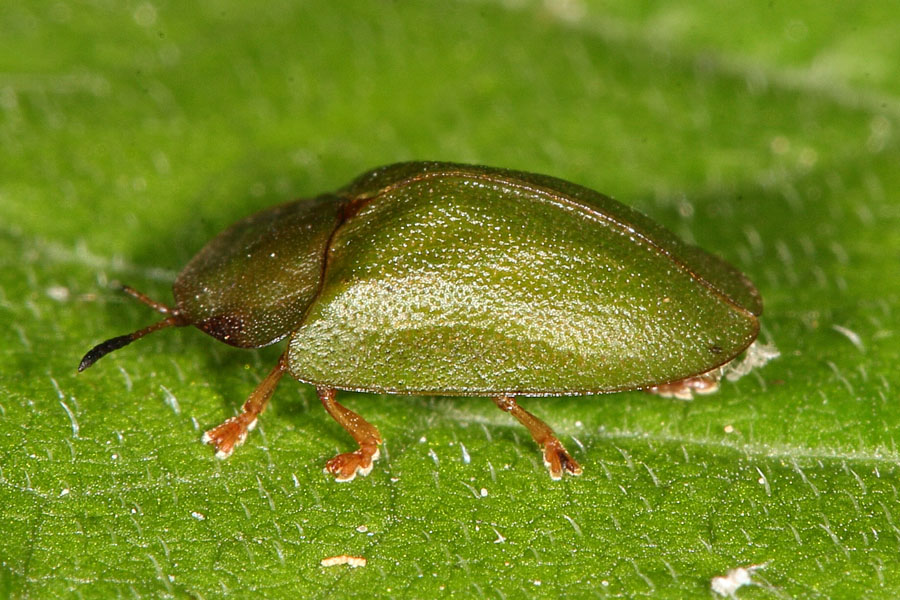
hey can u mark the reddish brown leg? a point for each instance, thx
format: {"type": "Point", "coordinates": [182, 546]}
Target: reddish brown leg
{"type": "Point", "coordinates": [556, 458]}
{"type": "Point", "coordinates": [344, 467]}
{"type": "Point", "coordinates": [684, 389]}
{"type": "Point", "coordinates": [232, 433]}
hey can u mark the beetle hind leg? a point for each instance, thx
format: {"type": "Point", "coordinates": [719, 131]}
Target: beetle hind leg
{"type": "Point", "coordinates": [556, 458]}
{"type": "Point", "coordinates": [346, 466]}
{"type": "Point", "coordinates": [232, 433]}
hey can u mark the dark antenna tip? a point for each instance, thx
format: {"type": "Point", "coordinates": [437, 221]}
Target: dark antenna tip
{"type": "Point", "coordinates": [104, 348]}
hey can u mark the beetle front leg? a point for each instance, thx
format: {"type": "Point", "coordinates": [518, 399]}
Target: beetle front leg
{"type": "Point", "coordinates": [556, 458]}
{"type": "Point", "coordinates": [344, 467]}
{"type": "Point", "coordinates": [232, 433]}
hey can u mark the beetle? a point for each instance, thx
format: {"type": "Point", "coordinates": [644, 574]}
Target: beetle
{"type": "Point", "coordinates": [448, 279]}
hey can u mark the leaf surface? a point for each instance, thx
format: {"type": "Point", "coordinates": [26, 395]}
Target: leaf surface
{"type": "Point", "coordinates": [130, 133]}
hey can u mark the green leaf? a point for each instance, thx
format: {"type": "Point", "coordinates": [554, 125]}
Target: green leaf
{"type": "Point", "coordinates": [130, 133]}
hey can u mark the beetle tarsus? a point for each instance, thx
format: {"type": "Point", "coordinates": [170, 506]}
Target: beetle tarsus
{"type": "Point", "coordinates": [556, 458]}
{"type": "Point", "coordinates": [345, 467]}
{"type": "Point", "coordinates": [232, 433]}
{"type": "Point", "coordinates": [684, 389]}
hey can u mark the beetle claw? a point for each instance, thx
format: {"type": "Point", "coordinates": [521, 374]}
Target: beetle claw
{"type": "Point", "coordinates": [346, 466]}
{"type": "Point", "coordinates": [229, 435]}
{"type": "Point", "coordinates": [558, 460]}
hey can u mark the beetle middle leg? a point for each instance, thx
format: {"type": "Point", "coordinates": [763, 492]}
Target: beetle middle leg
{"type": "Point", "coordinates": [232, 433]}
{"type": "Point", "coordinates": [344, 467]}
{"type": "Point", "coordinates": [556, 457]}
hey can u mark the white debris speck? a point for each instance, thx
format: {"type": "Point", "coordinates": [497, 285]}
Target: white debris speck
{"type": "Point", "coordinates": [362, 529]}
{"type": "Point", "coordinates": [729, 429]}
{"type": "Point", "coordinates": [755, 356]}
{"type": "Point", "coordinates": [537, 582]}
{"type": "Point", "coordinates": [484, 492]}
{"type": "Point", "coordinates": [728, 584]}
{"type": "Point", "coordinates": [64, 492]}
{"type": "Point", "coordinates": [344, 559]}
{"type": "Point", "coordinates": [423, 439]}
{"type": "Point", "coordinates": [604, 583]}
{"type": "Point", "coordinates": [115, 457]}
{"type": "Point", "coordinates": [198, 516]}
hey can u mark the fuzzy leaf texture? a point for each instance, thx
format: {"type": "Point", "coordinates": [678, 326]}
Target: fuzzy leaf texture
{"type": "Point", "coordinates": [132, 132]}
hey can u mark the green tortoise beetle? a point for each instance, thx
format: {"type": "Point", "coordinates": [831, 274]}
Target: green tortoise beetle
{"type": "Point", "coordinates": [446, 279]}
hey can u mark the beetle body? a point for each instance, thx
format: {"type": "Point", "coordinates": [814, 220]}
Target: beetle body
{"type": "Point", "coordinates": [446, 279]}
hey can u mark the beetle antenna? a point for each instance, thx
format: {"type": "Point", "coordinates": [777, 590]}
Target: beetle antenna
{"type": "Point", "coordinates": [100, 350]}
{"type": "Point", "coordinates": [157, 306]}
{"type": "Point", "coordinates": [104, 348]}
